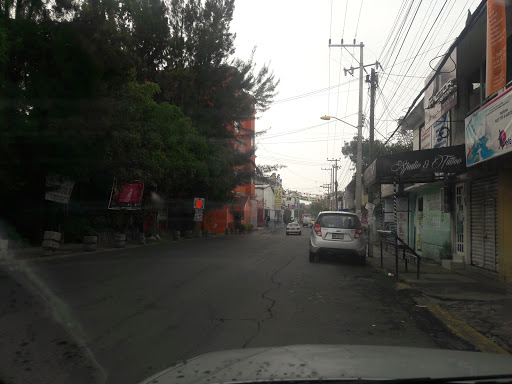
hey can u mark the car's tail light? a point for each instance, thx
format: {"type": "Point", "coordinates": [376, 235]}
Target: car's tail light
{"type": "Point", "coordinates": [359, 231]}
{"type": "Point", "coordinates": [318, 230]}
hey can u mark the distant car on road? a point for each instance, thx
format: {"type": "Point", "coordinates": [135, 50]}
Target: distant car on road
{"type": "Point", "coordinates": [293, 228]}
{"type": "Point", "coordinates": [339, 233]}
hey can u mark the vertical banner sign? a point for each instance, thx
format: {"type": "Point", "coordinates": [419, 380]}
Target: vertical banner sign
{"type": "Point", "coordinates": [278, 197]}
{"type": "Point", "coordinates": [496, 46]}
{"type": "Point", "coordinates": [126, 196]}
{"type": "Point", "coordinates": [426, 137]}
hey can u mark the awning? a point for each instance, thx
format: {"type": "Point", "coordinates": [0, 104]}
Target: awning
{"type": "Point", "coordinates": [239, 203]}
{"type": "Point", "coordinates": [423, 166]}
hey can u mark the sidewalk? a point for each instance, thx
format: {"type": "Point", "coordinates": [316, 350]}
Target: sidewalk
{"type": "Point", "coordinates": [472, 305]}
{"type": "Point", "coordinates": [31, 253]}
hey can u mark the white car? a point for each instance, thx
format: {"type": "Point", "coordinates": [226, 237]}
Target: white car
{"type": "Point", "coordinates": [293, 228]}
{"type": "Point", "coordinates": [339, 233]}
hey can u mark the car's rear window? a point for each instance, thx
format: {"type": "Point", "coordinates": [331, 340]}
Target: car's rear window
{"type": "Point", "coordinates": [338, 221]}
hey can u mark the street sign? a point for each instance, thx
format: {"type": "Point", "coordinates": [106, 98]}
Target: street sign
{"type": "Point", "coordinates": [199, 203]}
{"type": "Point", "coordinates": [198, 215]}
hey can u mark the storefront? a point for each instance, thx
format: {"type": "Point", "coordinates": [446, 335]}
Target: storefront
{"type": "Point", "coordinates": [423, 183]}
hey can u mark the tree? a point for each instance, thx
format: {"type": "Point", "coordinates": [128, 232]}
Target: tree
{"type": "Point", "coordinates": [95, 90]}
{"type": "Point", "coordinates": [402, 143]}
{"type": "Point", "coordinates": [287, 216]}
{"type": "Point", "coordinates": [315, 208]}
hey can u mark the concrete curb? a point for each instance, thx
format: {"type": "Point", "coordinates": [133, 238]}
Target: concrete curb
{"type": "Point", "coordinates": [73, 253]}
{"type": "Point", "coordinates": [458, 327]}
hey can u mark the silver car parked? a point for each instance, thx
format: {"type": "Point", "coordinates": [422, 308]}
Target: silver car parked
{"type": "Point", "coordinates": [339, 233]}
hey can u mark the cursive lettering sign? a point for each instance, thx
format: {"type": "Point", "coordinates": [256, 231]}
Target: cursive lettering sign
{"type": "Point", "coordinates": [439, 163]}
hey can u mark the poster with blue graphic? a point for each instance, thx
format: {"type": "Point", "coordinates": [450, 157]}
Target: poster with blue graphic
{"type": "Point", "coordinates": [489, 130]}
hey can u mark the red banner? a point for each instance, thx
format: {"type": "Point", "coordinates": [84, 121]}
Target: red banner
{"type": "Point", "coordinates": [127, 196]}
{"type": "Point", "coordinates": [496, 46]}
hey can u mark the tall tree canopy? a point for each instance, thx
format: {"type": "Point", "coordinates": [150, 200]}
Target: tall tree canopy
{"type": "Point", "coordinates": [94, 89]}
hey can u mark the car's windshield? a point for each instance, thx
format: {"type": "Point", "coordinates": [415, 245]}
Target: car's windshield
{"type": "Point", "coordinates": [183, 177]}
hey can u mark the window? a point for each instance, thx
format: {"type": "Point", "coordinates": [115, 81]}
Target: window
{"type": "Point", "coordinates": [339, 221]}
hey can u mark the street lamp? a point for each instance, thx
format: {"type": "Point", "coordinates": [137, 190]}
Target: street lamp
{"type": "Point", "coordinates": [359, 154]}
{"type": "Point", "coordinates": [326, 117]}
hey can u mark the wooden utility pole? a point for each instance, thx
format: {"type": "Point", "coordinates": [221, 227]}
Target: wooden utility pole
{"type": "Point", "coordinates": [335, 172]}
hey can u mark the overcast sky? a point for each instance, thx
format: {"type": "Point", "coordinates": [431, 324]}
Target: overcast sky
{"type": "Point", "coordinates": [293, 35]}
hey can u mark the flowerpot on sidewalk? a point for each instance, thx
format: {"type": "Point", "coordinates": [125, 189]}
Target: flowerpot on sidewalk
{"type": "Point", "coordinates": [90, 243]}
{"type": "Point", "coordinates": [119, 240]}
{"type": "Point", "coordinates": [51, 242]}
{"type": "Point", "coordinates": [141, 239]}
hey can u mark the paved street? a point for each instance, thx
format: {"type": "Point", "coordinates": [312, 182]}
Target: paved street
{"type": "Point", "coordinates": [139, 310]}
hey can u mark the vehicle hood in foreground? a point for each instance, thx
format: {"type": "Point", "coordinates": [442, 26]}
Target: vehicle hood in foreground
{"type": "Point", "coordinates": [332, 362]}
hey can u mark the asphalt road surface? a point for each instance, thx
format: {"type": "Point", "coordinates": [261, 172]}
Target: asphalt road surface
{"type": "Point", "coordinates": [134, 312]}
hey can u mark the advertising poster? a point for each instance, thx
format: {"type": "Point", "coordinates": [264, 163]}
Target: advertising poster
{"type": "Point", "coordinates": [402, 230]}
{"type": "Point", "coordinates": [440, 132]}
{"type": "Point", "coordinates": [126, 196]}
{"type": "Point", "coordinates": [489, 130]}
{"type": "Point", "coordinates": [58, 191]}
{"type": "Point", "coordinates": [496, 46]}
{"type": "Point", "coordinates": [278, 197]}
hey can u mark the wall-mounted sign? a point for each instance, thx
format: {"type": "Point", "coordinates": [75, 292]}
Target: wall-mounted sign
{"type": "Point", "coordinates": [416, 166]}
{"type": "Point", "coordinates": [440, 132]}
{"type": "Point", "coordinates": [426, 138]}
{"type": "Point", "coordinates": [278, 196]}
{"type": "Point", "coordinates": [441, 94]}
{"type": "Point", "coordinates": [496, 76]}
{"type": "Point", "coordinates": [489, 130]}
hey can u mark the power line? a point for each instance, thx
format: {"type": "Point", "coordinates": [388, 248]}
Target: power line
{"type": "Point", "coordinates": [311, 93]}
{"type": "Point", "coordinates": [476, 15]}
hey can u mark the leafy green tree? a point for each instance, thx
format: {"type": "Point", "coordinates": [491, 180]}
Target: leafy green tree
{"type": "Point", "coordinates": [287, 216]}
{"type": "Point", "coordinates": [315, 208]}
{"type": "Point", "coordinates": [402, 143]}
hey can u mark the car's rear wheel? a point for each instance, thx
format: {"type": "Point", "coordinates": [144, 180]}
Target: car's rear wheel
{"type": "Point", "coordinates": [313, 257]}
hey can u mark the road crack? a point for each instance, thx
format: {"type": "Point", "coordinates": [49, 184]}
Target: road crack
{"type": "Point", "coordinates": [272, 302]}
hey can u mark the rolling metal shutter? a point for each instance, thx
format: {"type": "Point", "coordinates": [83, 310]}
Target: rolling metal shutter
{"type": "Point", "coordinates": [484, 221]}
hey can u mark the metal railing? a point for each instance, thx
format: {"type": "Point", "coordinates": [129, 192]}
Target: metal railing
{"type": "Point", "coordinates": [387, 235]}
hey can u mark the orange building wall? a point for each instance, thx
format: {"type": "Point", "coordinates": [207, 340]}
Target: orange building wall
{"type": "Point", "coordinates": [217, 221]}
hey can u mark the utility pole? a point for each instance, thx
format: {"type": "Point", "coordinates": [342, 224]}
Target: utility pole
{"type": "Point", "coordinates": [373, 88]}
{"type": "Point", "coordinates": [373, 80]}
{"type": "Point", "coordinates": [335, 168]}
{"type": "Point", "coordinates": [329, 186]}
{"type": "Point", "coordinates": [359, 156]}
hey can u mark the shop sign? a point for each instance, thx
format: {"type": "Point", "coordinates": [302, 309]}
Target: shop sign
{"type": "Point", "coordinates": [416, 166]}
{"type": "Point", "coordinates": [489, 130]}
